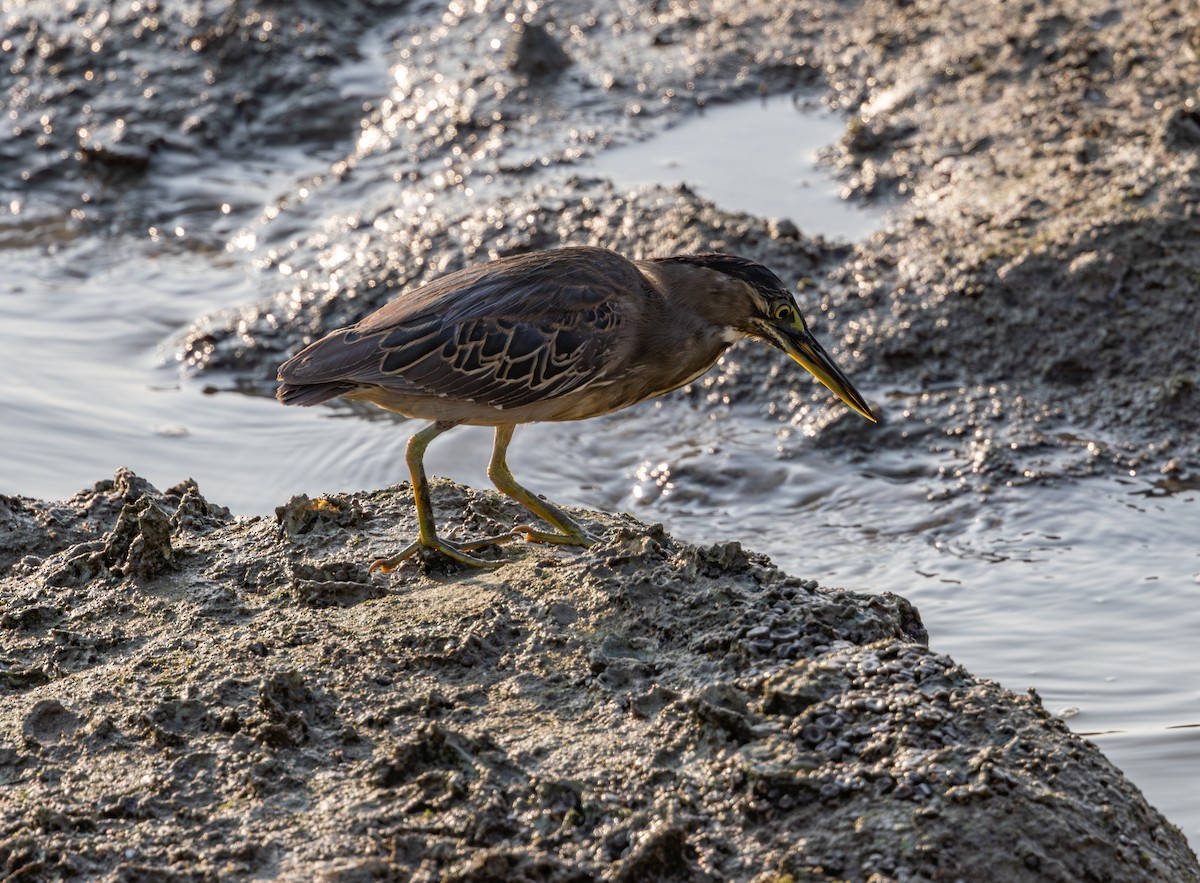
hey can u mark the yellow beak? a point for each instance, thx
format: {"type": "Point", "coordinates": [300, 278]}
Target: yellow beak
{"type": "Point", "coordinates": [803, 347]}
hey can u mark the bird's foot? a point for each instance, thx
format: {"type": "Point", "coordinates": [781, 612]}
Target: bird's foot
{"type": "Point", "coordinates": [571, 538]}
{"type": "Point", "coordinates": [453, 551]}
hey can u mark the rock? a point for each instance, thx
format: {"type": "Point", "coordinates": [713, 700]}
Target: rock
{"type": "Point", "coordinates": [534, 52]}
{"type": "Point", "coordinates": [782, 228]}
{"type": "Point", "coordinates": [1183, 128]}
{"type": "Point", "coordinates": [140, 542]}
{"type": "Point", "coordinates": [642, 710]}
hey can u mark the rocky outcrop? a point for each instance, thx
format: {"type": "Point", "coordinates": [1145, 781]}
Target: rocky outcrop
{"type": "Point", "coordinates": [191, 696]}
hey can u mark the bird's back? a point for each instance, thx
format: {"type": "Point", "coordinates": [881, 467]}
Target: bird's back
{"type": "Point", "coordinates": [515, 333]}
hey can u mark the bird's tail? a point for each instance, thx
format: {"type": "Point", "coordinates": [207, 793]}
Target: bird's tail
{"type": "Point", "coordinates": [311, 393]}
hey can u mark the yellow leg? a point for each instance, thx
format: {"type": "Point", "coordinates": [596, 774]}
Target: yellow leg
{"type": "Point", "coordinates": [498, 471]}
{"type": "Point", "coordinates": [427, 537]}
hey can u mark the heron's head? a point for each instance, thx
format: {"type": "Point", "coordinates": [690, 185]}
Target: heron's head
{"type": "Point", "coordinates": [764, 309]}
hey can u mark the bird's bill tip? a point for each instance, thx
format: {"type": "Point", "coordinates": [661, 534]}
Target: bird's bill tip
{"type": "Point", "coordinates": [864, 409]}
{"type": "Point", "coordinates": [809, 354]}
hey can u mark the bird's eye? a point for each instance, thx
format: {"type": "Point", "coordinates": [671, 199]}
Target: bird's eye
{"type": "Point", "coordinates": [784, 313]}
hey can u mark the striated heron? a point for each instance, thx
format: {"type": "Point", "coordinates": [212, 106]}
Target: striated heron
{"type": "Point", "coordinates": [550, 335]}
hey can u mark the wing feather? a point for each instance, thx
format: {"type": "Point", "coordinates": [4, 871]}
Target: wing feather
{"type": "Point", "coordinates": [509, 333]}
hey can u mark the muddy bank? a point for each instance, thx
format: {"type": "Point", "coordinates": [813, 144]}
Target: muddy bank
{"type": "Point", "coordinates": [107, 102]}
{"type": "Point", "coordinates": [227, 697]}
{"type": "Point", "coordinates": [222, 697]}
{"type": "Point", "coordinates": [1029, 314]}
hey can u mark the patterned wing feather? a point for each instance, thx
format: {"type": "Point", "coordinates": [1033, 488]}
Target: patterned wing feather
{"type": "Point", "coordinates": [510, 333]}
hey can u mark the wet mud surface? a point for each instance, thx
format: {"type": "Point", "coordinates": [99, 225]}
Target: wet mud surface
{"type": "Point", "coordinates": [1030, 313]}
{"type": "Point", "coordinates": [222, 697]}
{"type": "Point", "coordinates": [191, 696]}
{"type": "Point", "coordinates": [107, 94]}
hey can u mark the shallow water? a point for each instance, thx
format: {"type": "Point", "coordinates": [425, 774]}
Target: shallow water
{"type": "Point", "coordinates": [753, 156]}
{"type": "Point", "coordinates": [1086, 591]}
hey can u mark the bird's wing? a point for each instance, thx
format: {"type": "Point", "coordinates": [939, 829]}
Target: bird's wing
{"type": "Point", "coordinates": [513, 332]}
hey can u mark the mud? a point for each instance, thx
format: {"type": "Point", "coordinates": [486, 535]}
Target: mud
{"type": "Point", "coordinates": [103, 99]}
{"type": "Point", "coordinates": [1029, 315]}
{"type": "Point", "coordinates": [224, 697]}
{"type": "Point", "coordinates": [191, 696]}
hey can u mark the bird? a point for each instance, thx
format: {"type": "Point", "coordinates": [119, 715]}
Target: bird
{"type": "Point", "coordinates": [552, 335]}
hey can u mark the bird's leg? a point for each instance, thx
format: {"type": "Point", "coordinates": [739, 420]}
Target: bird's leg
{"type": "Point", "coordinates": [427, 537]}
{"type": "Point", "coordinates": [498, 471]}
